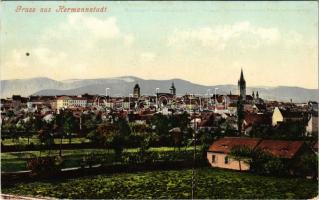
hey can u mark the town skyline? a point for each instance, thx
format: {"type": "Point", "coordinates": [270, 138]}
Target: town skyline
{"type": "Point", "coordinates": [204, 43]}
{"type": "Point", "coordinates": [121, 86]}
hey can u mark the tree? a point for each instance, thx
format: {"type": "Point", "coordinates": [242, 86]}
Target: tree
{"type": "Point", "coordinates": [177, 136]}
{"type": "Point", "coordinates": [308, 165]}
{"type": "Point", "coordinates": [38, 123]}
{"type": "Point", "coordinates": [30, 125]}
{"type": "Point", "coordinates": [180, 120]}
{"type": "Point", "coordinates": [139, 128]}
{"type": "Point", "coordinates": [161, 126]}
{"type": "Point", "coordinates": [113, 135]}
{"type": "Point", "coordinates": [261, 131]}
{"type": "Point", "coordinates": [46, 138]}
{"type": "Point", "coordinates": [8, 126]}
{"type": "Point", "coordinates": [96, 138]}
{"type": "Point", "coordinates": [240, 153]}
{"type": "Point", "coordinates": [120, 136]}
{"type": "Point", "coordinates": [144, 144]}
{"type": "Point", "coordinates": [263, 162]}
{"type": "Point", "coordinates": [123, 126]}
{"type": "Point", "coordinates": [104, 134]}
{"type": "Point", "coordinates": [206, 140]}
{"type": "Point", "coordinates": [10, 113]}
{"type": "Point", "coordinates": [290, 130]}
{"type": "Point", "coordinates": [68, 123]}
{"type": "Point", "coordinates": [90, 122]}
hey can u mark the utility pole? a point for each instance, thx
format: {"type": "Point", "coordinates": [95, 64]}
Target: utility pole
{"type": "Point", "coordinates": [209, 100]}
{"type": "Point", "coordinates": [157, 90]}
{"type": "Point", "coordinates": [215, 100]}
{"type": "Point", "coordinates": [62, 132]}
{"type": "Point", "coordinates": [81, 120]}
{"type": "Point", "coordinates": [129, 102]}
{"type": "Point", "coordinates": [194, 158]}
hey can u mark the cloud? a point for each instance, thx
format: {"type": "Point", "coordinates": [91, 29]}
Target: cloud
{"type": "Point", "coordinates": [43, 55]}
{"type": "Point", "coordinates": [128, 40]}
{"type": "Point", "coordinates": [86, 31]}
{"type": "Point", "coordinates": [242, 34]}
{"type": "Point", "coordinates": [71, 48]}
{"type": "Point", "coordinates": [17, 59]}
{"type": "Point", "coordinates": [106, 28]}
{"type": "Point", "coordinates": [147, 57]}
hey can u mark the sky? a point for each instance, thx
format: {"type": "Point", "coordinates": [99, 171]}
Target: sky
{"type": "Point", "coordinates": [275, 43]}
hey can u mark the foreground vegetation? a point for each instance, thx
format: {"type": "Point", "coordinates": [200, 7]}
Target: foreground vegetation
{"type": "Point", "coordinates": [17, 161]}
{"type": "Point", "coordinates": [210, 183]}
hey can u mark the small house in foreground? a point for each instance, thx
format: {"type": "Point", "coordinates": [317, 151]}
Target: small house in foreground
{"type": "Point", "coordinates": [218, 152]}
{"type": "Point", "coordinates": [290, 152]}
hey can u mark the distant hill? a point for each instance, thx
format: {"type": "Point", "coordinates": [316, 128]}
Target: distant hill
{"type": "Point", "coordinates": [123, 86]}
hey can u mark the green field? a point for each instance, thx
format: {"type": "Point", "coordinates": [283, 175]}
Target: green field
{"type": "Point", "coordinates": [35, 140]}
{"type": "Point", "coordinates": [16, 161]}
{"type": "Point", "coordinates": [210, 183]}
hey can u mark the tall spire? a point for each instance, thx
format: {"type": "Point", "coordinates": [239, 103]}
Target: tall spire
{"type": "Point", "coordinates": [242, 85]}
{"type": "Point", "coordinates": [242, 75]}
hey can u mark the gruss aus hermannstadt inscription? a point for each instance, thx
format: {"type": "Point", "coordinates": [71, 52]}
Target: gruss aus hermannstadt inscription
{"type": "Point", "coordinates": [61, 9]}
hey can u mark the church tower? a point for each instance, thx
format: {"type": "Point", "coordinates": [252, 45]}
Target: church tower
{"type": "Point", "coordinates": [173, 89]}
{"type": "Point", "coordinates": [136, 91]}
{"type": "Point", "coordinates": [242, 86]}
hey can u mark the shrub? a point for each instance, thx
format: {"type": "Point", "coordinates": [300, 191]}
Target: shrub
{"type": "Point", "coordinates": [265, 163]}
{"type": "Point", "coordinates": [45, 166]}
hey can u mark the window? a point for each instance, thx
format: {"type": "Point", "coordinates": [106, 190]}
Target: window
{"type": "Point", "coordinates": [226, 160]}
{"type": "Point", "coordinates": [213, 158]}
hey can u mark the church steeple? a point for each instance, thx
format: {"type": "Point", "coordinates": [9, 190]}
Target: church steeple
{"type": "Point", "coordinates": [242, 86]}
{"type": "Point", "coordinates": [173, 89]}
{"type": "Point", "coordinates": [242, 79]}
{"type": "Point", "coordinates": [136, 91]}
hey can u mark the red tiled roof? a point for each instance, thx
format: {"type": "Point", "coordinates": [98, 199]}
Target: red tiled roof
{"type": "Point", "coordinates": [224, 145]}
{"type": "Point", "coordinates": [281, 148]}
{"type": "Point", "coordinates": [252, 118]}
{"type": "Point", "coordinates": [233, 97]}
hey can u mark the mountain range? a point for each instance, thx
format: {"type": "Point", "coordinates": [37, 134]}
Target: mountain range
{"type": "Point", "coordinates": [123, 86]}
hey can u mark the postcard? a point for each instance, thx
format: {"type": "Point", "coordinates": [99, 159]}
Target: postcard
{"type": "Point", "coordinates": [159, 99]}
